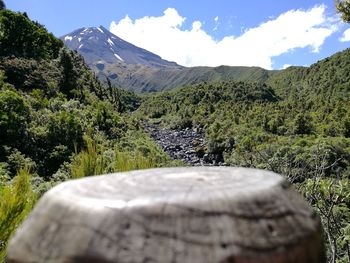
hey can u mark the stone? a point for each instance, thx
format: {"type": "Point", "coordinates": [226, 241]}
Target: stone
{"type": "Point", "coordinates": [178, 215]}
{"type": "Point", "coordinates": [180, 144]}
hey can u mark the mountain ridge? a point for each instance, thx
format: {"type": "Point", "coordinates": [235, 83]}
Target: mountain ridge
{"type": "Point", "coordinates": [136, 69]}
{"type": "Point", "coordinates": [140, 73]}
{"type": "Point", "coordinates": [97, 43]}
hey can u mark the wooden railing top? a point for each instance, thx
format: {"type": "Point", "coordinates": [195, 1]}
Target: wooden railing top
{"type": "Point", "coordinates": [208, 214]}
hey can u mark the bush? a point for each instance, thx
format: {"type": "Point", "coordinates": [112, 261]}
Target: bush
{"type": "Point", "coordinates": [14, 117]}
{"type": "Point", "coordinates": [24, 38]}
{"type": "Point", "coordinates": [331, 199]}
{"type": "Point", "coordinates": [134, 151]}
{"type": "Point", "coordinates": [17, 200]}
{"type": "Point", "coordinates": [88, 162]}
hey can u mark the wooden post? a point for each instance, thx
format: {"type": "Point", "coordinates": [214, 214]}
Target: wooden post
{"type": "Point", "coordinates": [184, 215]}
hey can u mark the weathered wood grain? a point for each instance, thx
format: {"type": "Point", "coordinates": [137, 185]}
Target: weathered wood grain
{"type": "Point", "coordinates": [193, 215]}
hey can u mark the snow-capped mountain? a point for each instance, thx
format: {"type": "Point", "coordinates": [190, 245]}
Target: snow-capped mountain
{"type": "Point", "coordinates": [133, 68]}
{"type": "Point", "coordinates": [99, 46]}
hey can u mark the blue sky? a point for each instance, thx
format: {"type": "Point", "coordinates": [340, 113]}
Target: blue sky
{"type": "Point", "coordinates": [271, 34]}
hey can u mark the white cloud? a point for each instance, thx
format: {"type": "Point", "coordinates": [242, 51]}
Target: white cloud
{"type": "Point", "coordinates": [216, 20]}
{"type": "Point", "coordinates": [346, 36]}
{"type": "Point", "coordinates": [257, 46]}
{"type": "Point", "coordinates": [286, 66]}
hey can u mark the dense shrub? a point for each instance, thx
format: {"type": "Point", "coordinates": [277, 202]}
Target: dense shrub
{"type": "Point", "coordinates": [17, 200]}
{"type": "Point", "coordinates": [21, 37]}
{"type": "Point", "coordinates": [297, 124]}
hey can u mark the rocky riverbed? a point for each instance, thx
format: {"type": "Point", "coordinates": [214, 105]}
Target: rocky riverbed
{"type": "Point", "coordinates": [187, 145]}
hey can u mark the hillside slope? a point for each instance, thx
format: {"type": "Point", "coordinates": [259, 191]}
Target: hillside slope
{"type": "Point", "coordinates": [297, 124]}
{"type": "Point", "coordinates": [57, 121]}
{"type": "Point", "coordinates": [329, 77]}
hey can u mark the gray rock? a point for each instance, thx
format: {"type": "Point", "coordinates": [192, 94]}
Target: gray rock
{"type": "Point", "coordinates": [183, 144]}
{"type": "Point", "coordinates": [178, 215]}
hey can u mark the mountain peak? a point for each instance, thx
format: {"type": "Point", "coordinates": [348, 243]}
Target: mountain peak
{"type": "Point", "coordinates": [99, 44]}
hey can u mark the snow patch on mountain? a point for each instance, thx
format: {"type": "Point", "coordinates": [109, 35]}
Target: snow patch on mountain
{"type": "Point", "coordinates": [118, 57]}
{"type": "Point", "coordinates": [101, 45]}
{"type": "Point", "coordinates": [110, 42]}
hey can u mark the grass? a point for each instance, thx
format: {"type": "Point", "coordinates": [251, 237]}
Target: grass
{"type": "Point", "coordinates": [17, 200]}
{"type": "Point", "coordinates": [126, 161]}
{"type": "Point", "coordinates": [88, 162]}
{"type": "Point", "coordinates": [135, 151]}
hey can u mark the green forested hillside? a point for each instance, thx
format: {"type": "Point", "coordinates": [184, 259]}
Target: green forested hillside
{"type": "Point", "coordinates": [327, 78]}
{"type": "Point", "coordinates": [22, 37]}
{"type": "Point", "coordinates": [297, 124]}
{"type": "Point", "coordinates": [141, 78]}
{"type": "Point", "coordinates": [57, 121]}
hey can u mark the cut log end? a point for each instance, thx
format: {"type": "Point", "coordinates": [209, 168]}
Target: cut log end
{"type": "Point", "coordinates": [215, 214]}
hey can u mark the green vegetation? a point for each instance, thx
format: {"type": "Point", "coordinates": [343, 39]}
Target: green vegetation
{"type": "Point", "coordinates": [327, 78]}
{"type": "Point", "coordinates": [343, 7]}
{"type": "Point", "coordinates": [50, 101]}
{"type": "Point", "coordinates": [58, 122]}
{"type": "Point", "coordinates": [331, 198]}
{"type": "Point", "coordinates": [2, 5]}
{"type": "Point", "coordinates": [17, 200]}
{"type": "Point", "coordinates": [140, 78]}
{"type": "Point", "coordinates": [296, 124]}
{"type": "Point", "coordinates": [21, 37]}
{"type": "Point", "coordinates": [134, 151]}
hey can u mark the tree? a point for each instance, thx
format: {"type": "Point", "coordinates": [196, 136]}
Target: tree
{"type": "Point", "coordinates": [330, 198]}
{"type": "Point", "coordinates": [21, 37]}
{"type": "Point", "coordinates": [302, 124]}
{"type": "Point", "coordinates": [2, 5]}
{"type": "Point", "coordinates": [14, 115]}
{"type": "Point", "coordinates": [70, 74]}
{"type": "Point", "coordinates": [343, 7]}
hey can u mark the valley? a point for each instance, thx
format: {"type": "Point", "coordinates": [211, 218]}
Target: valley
{"type": "Point", "coordinates": [186, 145]}
{"type": "Point", "coordinates": [92, 103]}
